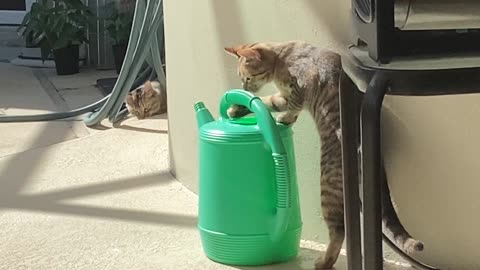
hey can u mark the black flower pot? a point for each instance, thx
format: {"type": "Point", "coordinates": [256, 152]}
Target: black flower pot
{"type": "Point", "coordinates": [67, 60]}
{"type": "Point", "coordinates": [119, 51]}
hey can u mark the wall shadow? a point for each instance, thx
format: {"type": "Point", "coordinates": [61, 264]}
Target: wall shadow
{"type": "Point", "coordinates": [53, 202]}
{"type": "Point", "coordinates": [140, 216]}
{"type": "Point", "coordinates": [106, 188]}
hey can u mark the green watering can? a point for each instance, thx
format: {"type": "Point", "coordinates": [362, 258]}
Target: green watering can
{"type": "Point", "coordinates": [249, 212]}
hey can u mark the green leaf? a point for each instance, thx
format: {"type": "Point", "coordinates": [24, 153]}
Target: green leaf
{"type": "Point", "coordinates": [37, 39]}
{"type": "Point", "coordinates": [58, 25]}
{"type": "Point", "coordinates": [35, 7]}
{"type": "Point", "coordinates": [25, 20]}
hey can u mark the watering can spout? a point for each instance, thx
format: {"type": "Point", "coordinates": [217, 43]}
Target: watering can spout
{"type": "Point", "coordinates": [203, 114]}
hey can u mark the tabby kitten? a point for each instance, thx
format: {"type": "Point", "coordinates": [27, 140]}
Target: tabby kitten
{"type": "Point", "coordinates": [147, 100]}
{"type": "Point", "coordinates": [308, 77]}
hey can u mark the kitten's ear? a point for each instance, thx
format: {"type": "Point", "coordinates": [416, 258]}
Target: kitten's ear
{"type": "Point", "coordinates": [233, 50]}
{"type": "Point", "coordinates": [129, 99]}
{"type": "Point", "coordinates": [250, 54]}
{"type": "Point", "coordinates": [244, 51]}
{"type": "Point", "coordinates": [148, 90]}
{"type": "Point", "coordinates": [147, 84]}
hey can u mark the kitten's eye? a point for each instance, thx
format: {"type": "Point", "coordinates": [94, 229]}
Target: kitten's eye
{"type": "Point", "coordinates": [248, 79]}
{"type": "Point", "coordinates": [145, 110]}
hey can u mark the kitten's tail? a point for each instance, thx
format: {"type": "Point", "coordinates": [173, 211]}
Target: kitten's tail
{"type": "Point", "coordinates": [399, 235]}
{"type": "Point", "coordinates": [401, 241]}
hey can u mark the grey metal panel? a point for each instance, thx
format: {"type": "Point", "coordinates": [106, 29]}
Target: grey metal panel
{"type": "Point", "coordinates": [437, 14]}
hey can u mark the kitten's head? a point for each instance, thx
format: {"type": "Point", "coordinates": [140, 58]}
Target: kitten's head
{"type": "Point", "coordinates": [256, 65]}
{"type": "Point", "coordinates": [145, 101]}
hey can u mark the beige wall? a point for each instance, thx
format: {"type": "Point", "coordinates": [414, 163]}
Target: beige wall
{"type": "Point", "coordinates": [432, 155]}
{"type": "Point", "coordinates": [199, 70]}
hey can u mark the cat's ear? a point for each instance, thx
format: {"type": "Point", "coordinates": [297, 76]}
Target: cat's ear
{"type": "Point", "coordinates": [148, 90]}
{"type": "Point", "coordinates": [147, 84]}
{"type": "Point", "coordinates": [250, 54]}
{"type": "Point", "coordinates": [245, 51]}
{"type": "Point", "coordinates": [233, 50]}
{"type": "Point", "coordinates": [129, 99]}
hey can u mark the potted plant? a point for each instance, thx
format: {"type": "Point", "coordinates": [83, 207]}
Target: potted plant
{"type": "Point", "coordinates": [119, 25]}
{"type": "Point", "coordinates": [58, 26]}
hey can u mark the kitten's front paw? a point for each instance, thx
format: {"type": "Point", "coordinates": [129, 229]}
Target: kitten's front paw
{"type": "Point", "coordinates": [279, 103]}
{"type": "Point", "coordinates": [236, 111]}
{"type": "Point", "coordinates": [287, 118]}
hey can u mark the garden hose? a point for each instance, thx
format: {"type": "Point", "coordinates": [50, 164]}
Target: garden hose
{"type": "Point", "coordinates": [135, 56]}
{"type": "Point", "coordinates": [146, 74]}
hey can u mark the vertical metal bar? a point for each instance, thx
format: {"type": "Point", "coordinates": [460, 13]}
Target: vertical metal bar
{"type": "Point", "coordinates": [371, 172]}
{"type": "Point", "coordinates": [349, 119]}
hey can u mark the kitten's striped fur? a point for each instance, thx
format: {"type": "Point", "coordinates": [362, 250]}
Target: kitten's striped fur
{"type": "Point", "coordinates": [148, 100]}
{"type": "Point", "coordinates": [308, 77]}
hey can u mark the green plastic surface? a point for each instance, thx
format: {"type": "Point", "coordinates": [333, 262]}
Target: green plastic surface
{"type": "Point", "coordinates": [249, 211]}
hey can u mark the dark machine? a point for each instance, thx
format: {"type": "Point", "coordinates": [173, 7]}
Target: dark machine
{"type": "Point", "coordinates": [393, 28]}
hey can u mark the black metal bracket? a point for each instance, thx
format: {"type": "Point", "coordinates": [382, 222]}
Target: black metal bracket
{"type": "Point", "coordinates": [368, 113]}
{"type": "Point", "coordinates": [360, 122]}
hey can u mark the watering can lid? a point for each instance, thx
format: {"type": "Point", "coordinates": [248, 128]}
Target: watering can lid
{"type": "Point", "coordinates": [244, 121]}
{"type": "Point", "coordinates": [237, 129]}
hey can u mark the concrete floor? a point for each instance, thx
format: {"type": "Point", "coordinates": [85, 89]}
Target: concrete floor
{"type": "Point", "coordinates": [98, 198]}
{"type": "Point", "coordinates": [21, 94]}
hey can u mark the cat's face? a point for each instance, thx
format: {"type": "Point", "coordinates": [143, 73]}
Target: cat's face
{"type": "Point", "coordinates": [144, 102]}
{"type": "Point", "coordinates": [256, 65]}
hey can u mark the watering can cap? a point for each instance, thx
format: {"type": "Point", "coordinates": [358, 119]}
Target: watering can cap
{"type": "Point", "coordinates": [246, 121]}
{"type": "Point", "coordinates": [244, 129]}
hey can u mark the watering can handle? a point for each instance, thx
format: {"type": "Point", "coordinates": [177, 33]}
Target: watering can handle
{"type": "Point", "coordinates": [269, 130]}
